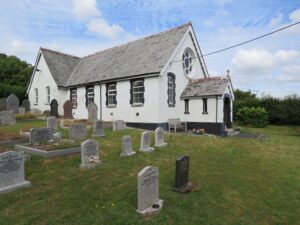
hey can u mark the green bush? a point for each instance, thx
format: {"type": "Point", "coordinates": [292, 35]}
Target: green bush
{"type": "Point", "coordinates": [254, 117]}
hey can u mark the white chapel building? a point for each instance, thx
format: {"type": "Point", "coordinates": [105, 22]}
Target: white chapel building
{"type": "Point", "coordinates": [145, 83]}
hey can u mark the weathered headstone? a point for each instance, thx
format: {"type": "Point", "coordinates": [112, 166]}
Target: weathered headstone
{"type": "Point", "coordinates": [68, 107]}
{"type": "Point", "coordinates": [182, 174]}
{"type": "Point", "coordinates": [127, 146]}
{"type": "Point", "coordinates": [159, 137]}
{"type": "Point", "coordinates": [77, 131]}
{"type": "Point", "coordinates": [41, 135]}
{"type": "Point", "coordinates": [90, 154]}
{"type": "Point", "coordinates": [26, 105]}
{"type": "Point", "coordinates": [145, 142]}
{"type": "Point", "coordinates": [98, 129]}
{"type": "Point", "coordinates": [92, 111]}
{"type": "Point", "coordinates": [12, 103]}
{"type": "Point", "coordinates": [148, 192]}
{"type": "Point", "coordinates": [52, 123]}
{"type": "Point", "coordinates": [7, 117]}
{"type": "Point", "coordinates": [2, 104]}
{"type": "Point", "coordinates": [54, 108]}
{"type": "Point", "coordinates": [21, 110]}
{"type": "Point", "coordinates": [12, 175]}
{"type": "Point", "coordinates": [118, 125]}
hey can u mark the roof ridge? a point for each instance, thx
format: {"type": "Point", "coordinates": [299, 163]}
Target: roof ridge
{"type": "Point", "coordinates": [61, 53]}
{"type": "Point", "coordinates": [141, 39]}
{"type": "Point", "coordinates": [210, 78]}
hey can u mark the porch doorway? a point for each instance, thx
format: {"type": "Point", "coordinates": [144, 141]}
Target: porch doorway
{"type": "Point", "coordinates": [227, 112]}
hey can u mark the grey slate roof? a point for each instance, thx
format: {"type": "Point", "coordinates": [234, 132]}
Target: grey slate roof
{"type": "Point", "coordinates": [210, 86]}
{"type": "Point", "coordinates": [60, 65]}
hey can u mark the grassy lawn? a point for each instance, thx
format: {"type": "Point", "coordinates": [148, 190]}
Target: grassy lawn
{"type": "Point", "coordinates": [238, 181]}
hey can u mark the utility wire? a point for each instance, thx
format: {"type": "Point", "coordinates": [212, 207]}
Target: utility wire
{"type": "Point", "coordinates": [245, 42]}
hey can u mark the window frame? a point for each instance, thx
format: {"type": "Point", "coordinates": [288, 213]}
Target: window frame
{"type": "Point", "coordinates": [48, 95]}
{"type": "Point", "coordinates": [36, 96]}
{"type": "Point", "coordinates": [171, 90]}
{"type": "Point", "coordinates": [89, 95]}
{"type": "Point", "coordinates": [204, 109]}
{"type": "Point", "coordinates": [139, 91]}
{"type": "Point", "coordinates": [73, 97]}
{"type": "Point", "coordinates": [186, 106]}
{"type": "Point", "coordinates": [190, 58]}
{"type": "Point", "coordinates": [111, 94]}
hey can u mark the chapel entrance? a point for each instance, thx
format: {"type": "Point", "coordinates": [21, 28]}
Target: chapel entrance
{"type": "Point", "coordinates": [227, 112]}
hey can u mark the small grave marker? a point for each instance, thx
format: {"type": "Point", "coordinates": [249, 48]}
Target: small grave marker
{"type": "Point", "coordinates": [21, 110]}
{"type": "Point", "coordinates": [159, 138]}
{"type": "Point", "coordinates": [127, 146]}
{"type": "Point", "coordinates": [182, 174]}
{"type": "Point", "coordinates": [52, 123]}
{"type": "Point", "coordinates": [145, 142]}
{"type": "Point", "coordinates": [77, 131]}
{"type": "Point", "coordinates": [118, 125]}
{"type": "Point", "coordinates": [41, 135]}
{"type": "Point", "coordinates": [68, 107]}
{"type": "Point", "coordinates": [98, 129]}
{"type": "Point", "coordinates": [92, 111]}
{"type": "Point", "coordinates": [7, 117]}
{"type": "Point", "coordinates": [26, 105]}
{"type": "Point", "coordinates": [12, 103]}
{"type": "Point", "coordinates": [90, 154]}
{"type": "Point", "coordinates": [54, 108]}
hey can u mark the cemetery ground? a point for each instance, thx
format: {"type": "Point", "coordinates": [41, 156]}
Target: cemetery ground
{"type": "Point", "coordinates": [236, 180]}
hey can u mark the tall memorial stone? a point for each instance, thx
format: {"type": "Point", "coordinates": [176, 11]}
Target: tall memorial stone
{"type": "Point", "coordinates": [12, 103]}
{"type": "Point", "coordinates": [92, 111]}
{"type": "Point", "coordinates": [54, 108]}
{"type": "Point", "coordinates": [41, 135]}
{"type": "Point", "coordinates": [12, 175]}
{"type": "Point", "coordinates": [145, 142]}
{"type": "Point", "coordinates": [159, 138]}
{"type": "Point", "coordinates": [118, 125]}
{"type": "Point", "coordinates": [68, 107]}
{"type": "Point", "coordinates": [2, 104]}
{"type": "Point", "coordinates": [26, 105]}
{"type": "Point", "coordinates": [98, 129]}
{"type": "Point", "coordinates": [7, 117]}
{"type": "Point", "coordinates": [182, 174]}
{"type": "Point", "coordinates": [148, 192]}
{"type": "Point", "coordinates": [127, 146]}
{"type": "Point", "coordinates": [52, 123]}
{"type": "Point", "coordinates": [77, 131]}
{"type": "Point", "coordinates": [90, 154]}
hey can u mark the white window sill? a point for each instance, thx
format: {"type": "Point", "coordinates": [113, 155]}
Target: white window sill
{"type": "Point", "coordinates": [111, 106]}
{"type": "Point", "coordinates": [137, 105]}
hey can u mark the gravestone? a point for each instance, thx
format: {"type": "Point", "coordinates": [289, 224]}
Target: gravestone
{"type": "Point", "coordinates": [159, 137]}
{"type": "Point", "coordinates": [12, 174]}
{"type": "Point", "coordinates": [145, 142]}
{"type": "Point", "coordinates": [21, 110]}
{"type": "Point", "coordinates": [57, 136]}
{"type": "Point", "coordinates": [182, 174]}
{"type": "Point", "coordinates": [90, 154]}
{"type": "Point", "coordinates": [77, 131]}
{"type": "Point", "coordinates": [26, 105]}
{"type": "Point", "coordinates": [7, 117]}
{"type": "Point", "coordinates": [118, 125]}
{"type": "Point", "coordinates": [40, 135]}
{"type": "Point", "coordinates": [127, 146]}
{"type": "Point", "coordinates": [2, 104]}
{"type": "Point", "coordinates": [68, 107]}
{"type": "Point", "coordinates": [98, 129]}
{"type": "Point", "coordinates": [12, 103]}
{"type": "Point", "coordinates": [92, 111]}
{"type": "Point", "coordinates": [148, 192]}
{"type": "Point", "coordinates": [52, 123]}
{"type": "Point", "coordinates": [54, 108]}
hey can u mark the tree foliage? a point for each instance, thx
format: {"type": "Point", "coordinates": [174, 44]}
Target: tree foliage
{"type": "Point", "coordinates": [254, 117]}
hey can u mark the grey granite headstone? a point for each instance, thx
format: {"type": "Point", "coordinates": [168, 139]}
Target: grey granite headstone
{"type": "Point", "coordinates": [118, 125]}
{"type": "Point", "coordinates": [7, 117]}
{"type": "Point", "coordinates": [148, 192]}
{"type": "Point", "coordinates": [98, 129]}
{"type": "Point", "coordinates": [12, 103]}
{"type": "Point", "coordinates": [52, 122]}
{"type": "Point", "coordinates": [2, 104]}
{"type": "Point", "coordinates": [159, 137]}
{"type": "Point", "coordinates": [145, 142]}
{"type": "Point", "coordinates": [41, 135]}
{"type": "Point", "coordinates": [21, 110]}
{"type": "Point", "coordinates": [26, 105]}
{"type": "Point", "coordinates": [90, 154]}
{"type": "Point", "coordinates": [77, 131]}
{"type": "Point", "coordinates": [182, 174]}
{"type": "Point", "coordinates": [127, 146]}
{"type": "Point", "coordinates": [12, 175]}
{"type": "Point", "coordinates": [92, 111]}
{"type": "Point", "coordinates": [54, 108]}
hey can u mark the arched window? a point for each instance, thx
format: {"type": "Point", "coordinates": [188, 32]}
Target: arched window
{"type": "Point", "coordinates": [171, 89]}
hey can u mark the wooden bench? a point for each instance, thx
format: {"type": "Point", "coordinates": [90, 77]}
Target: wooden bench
{"type": "Point", "coordinates": [175, 124]}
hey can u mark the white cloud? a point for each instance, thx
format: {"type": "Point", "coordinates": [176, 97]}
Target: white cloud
{"type": "Point", "coordinates": [18, 47]}
{"type": "Point", "coordinates": [292, 69]}
{"type": "Point", "coordinates": [101, 27]}
{"type": "Point", "coordinates": [295, 15]}
{"type": "Point", "coordinates": [85, 9]}
{"type": "Point", "coordinates": [283, 56]}
{"type": "Point", "coordinates": [288, 78]}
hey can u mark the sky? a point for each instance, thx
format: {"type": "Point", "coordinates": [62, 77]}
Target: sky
{"type": "Point", "coordinates": [269, 66]}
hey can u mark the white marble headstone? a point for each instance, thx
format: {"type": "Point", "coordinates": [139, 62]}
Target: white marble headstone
{"type": "Point", "coordinates": [118, 125]}
{"type": "Point", "coordinates": [98, 128]}
{"type": "Point", "coordinates": [127, 146]}
{"type": "Point", "coordinates": [145, 142]}
{"type": "Point", "coordinates": [159, 137]}
{"type": "Point", "coordinates": [89, 154]}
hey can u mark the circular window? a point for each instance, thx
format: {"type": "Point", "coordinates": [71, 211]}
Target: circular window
{"type": "Point", "coordinates": [187, 61]}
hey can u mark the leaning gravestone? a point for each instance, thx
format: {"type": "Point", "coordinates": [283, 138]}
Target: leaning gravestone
{"type": "Point", "coordinates": [77, 132]}
{"type": "Point", "coordinates": [68, 107]}
{"type": "Point", "coordinates": [159, 137]}
{"type": "Point", "coordinates": [98, 129]}
{"type": "Point", "coordinates": [127, 146]}
{"type": "Point", "coordinates": [12, 174]}
{"type": "Point", "coordinates": [40, 135]}
{"type": "Point", "coordinates": [2, 104]}
{"type": "Point", "coordinates": [54, 108]}
{"type": "Point", "coordinates": [21, 110]}
{"type": "Point", "coordinates": [148, 192]}
{"type": "Point", "coordinates": [12, 103]}
{"type": "Point", "coordinates": [26, 105]}
{"type": "Point", "coordinates": [92, 111]}
{"type": "Point", "coordinates": [7, 117]}
{"type": "Point", "coordinates": [182, 174]}
{"type": "Point", "coordinates": [118, 125]}
{"type": "Point", "coordinates": [145, 142]}
{"type": "Point", "coordinates": [90, 154]}
{"type": "Point", "coordinates": [52, 123]}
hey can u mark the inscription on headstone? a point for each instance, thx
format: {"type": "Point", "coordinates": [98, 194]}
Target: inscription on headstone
{"type": "Point", "coordinates": [77, 131]}
{"type": "Point", "coordinates": [182, 174]}
{"type": "Point", "coordinates": [68, 107]}
{"type": "Point", "coordinates": [159, 137]}
{"type": "Point", "coordinates": [41, 135]}
{"type": "Point", "coordinates": [98, 128]}
{"type": "Point", "coordinates": [26, 105]}
{"type": "Point", "coordinates": [54, 108]}
{"type": "Point", "coordinates": [7, 117]}
{"type": "Point", "coordinates": [89, 154]}
{"type": "Point", "coordinates": [52, 123]}
{"type": "Point", "coordinates": [127, 146]}
{"type": "Point", "coordinates": [92, 111]}
{"type": "Point", "coordinates": [12, 103]}
{"type": "Point", "coordinates": [118, 125]}
{"type": "Point", "coordinates": [145, 142]}
{"type": "Point", "coordinates": [12, 171]}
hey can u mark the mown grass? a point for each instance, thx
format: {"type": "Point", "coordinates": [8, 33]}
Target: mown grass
{"type": "Point", "coordinates": [238, 181]}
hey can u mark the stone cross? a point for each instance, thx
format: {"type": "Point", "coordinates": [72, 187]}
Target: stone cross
{"type": "Point", "coordinates": [92, 111]}
{"type": "Point", "coordinates": [118, 125]}
{"type": "Point", "coordinates": [98, 129]}
{"type": "Point", "coordinates": [182, 174]}
{"type": "Point", "coordinates": [54, 108]}
{"type": "Point", "coordinates": [12, 103]}
{"type": "Point", "coordinates": [145, 142]}
{"type": "Point", "coordinates": [77, 131]}
{"type": "Point", "coordinates": [12, 175]}
{"type": "Point", "coordinates": [7, 117]}
{"type": "Point", "coordinates": [26, 105]}
{"type": "Point", "coordinates": [90, 154]}
{"type": "Point", "coordinates": [159, 137]}
{"type": "Point", "coordinates": [148, 192]}
{"type": "Point", "coordinates": [40, 135]}
{"type": "Point", "coordinates": [68, 107]}
{"type": "Point", "coordinates": [127, 146]}
{"type": "Point", "coordinates": [52, 123]}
